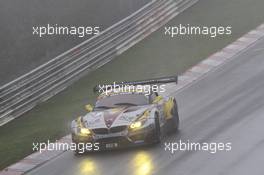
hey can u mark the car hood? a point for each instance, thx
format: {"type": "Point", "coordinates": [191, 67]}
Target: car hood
{"type": "Point", "coordinates": [114, 117]}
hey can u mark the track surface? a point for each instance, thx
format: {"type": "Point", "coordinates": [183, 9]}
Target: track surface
{"type": "Point", "coordinates": [225, 106]}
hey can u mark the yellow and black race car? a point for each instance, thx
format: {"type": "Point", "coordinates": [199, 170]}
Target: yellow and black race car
{"type": "Point", "coordinates": [125, 114]}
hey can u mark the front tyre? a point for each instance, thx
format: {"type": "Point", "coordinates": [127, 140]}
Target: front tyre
{"type": "Point", "coordinates": [157, 131]}
{"type": "Point", "coordinates": [174, 121]}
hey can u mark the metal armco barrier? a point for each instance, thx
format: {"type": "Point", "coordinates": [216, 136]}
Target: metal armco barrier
{"type": "Point", "coordinates": [40, 84]}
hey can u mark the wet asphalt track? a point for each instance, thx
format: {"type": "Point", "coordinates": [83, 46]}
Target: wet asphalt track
{"type": "Point", "coordinates": [225, 106]}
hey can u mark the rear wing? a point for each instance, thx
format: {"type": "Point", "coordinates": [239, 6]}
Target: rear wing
{"type": "Point", "coordinates": [161, 80]}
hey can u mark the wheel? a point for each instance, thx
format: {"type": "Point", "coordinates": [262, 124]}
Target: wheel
{"type": "Point", "coordinates": [157, 131]}
{"type": "Point", "coordinates": [77, 152]}
{"type": "Point", "coordinates": [174, 121]}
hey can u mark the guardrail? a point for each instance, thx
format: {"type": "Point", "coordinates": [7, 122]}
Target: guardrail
{"type": "Point", "coordinates": [52, 77]}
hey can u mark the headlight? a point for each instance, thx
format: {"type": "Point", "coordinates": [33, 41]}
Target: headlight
{"type": "Point", "coordinates": [140, 121]}
{"type": "Point", "coordinates": [85, 131]}
{"type": "Point", "coordinates": [135, 125]}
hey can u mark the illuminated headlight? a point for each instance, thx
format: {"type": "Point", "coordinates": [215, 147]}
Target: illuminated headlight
{"type": "Point", "coordinates": [140, 121]}
{"type": "Point", "coordinates": [136, 125]}
{"type": "Point", "coordinates": [85, 131]}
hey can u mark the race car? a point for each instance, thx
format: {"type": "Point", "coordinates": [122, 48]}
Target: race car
{"type": "Point", "coordinates": [127, 118]}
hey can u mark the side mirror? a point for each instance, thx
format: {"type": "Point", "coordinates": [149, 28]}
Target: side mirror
{"type": "Point", "coordinates": [89, 108]}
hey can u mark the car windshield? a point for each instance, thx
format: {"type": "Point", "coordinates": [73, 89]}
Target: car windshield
{"type": "Point", "coordinates": [122, 100]}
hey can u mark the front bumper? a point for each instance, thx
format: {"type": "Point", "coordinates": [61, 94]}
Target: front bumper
{"type": "Point", "coordinates": [126, 138]}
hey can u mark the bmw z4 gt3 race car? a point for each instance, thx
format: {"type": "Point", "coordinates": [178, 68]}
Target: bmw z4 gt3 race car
{"type": "Point", "coordinates": [122, 119]}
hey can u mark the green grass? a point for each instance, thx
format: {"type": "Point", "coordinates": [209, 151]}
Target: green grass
{"type": "Point", "coordinates": [155, 56]}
